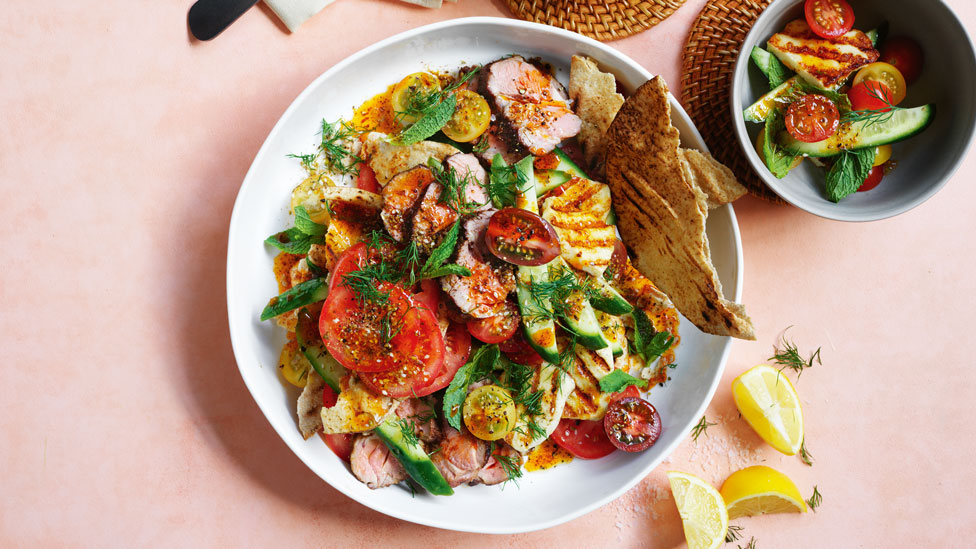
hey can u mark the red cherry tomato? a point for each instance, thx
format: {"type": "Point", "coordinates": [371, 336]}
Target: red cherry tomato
{"type": "Point", "coordinates": [870, 95]}
{"type": "Point", "coordinates": [521, 237]}
{"type": "Point", "coordinates": [906, 55]}
{"type": "Point", "coordinates": [352, 259]}
{"type": "Point", "coordinates": [457, 348]}
{"type": "Point", "coordinates": [582, 438]}
{"type": "Point", "coordinates": [632, 424]}
{"type": "Point", "coordinates": [630, 391]}
{"type": "Point", "coordinates": [619, 258]}
{"type": "Point", "coordinates": [874, 177]}
{"type": "Point", "coordinates": [341, 445]}
{"type": "Point", "coordinates": [367, 179]}
{"type": "Point", "coordinates": [829, 18]}
{"type": "Point", "coordinates": [812, 118]}
{"type": "Point", "coordinates": [518, 350]}
{"type": "Point", "coordinates": [329, 397]}
{"type": "Point", "coordinates": [498, 328]}
{"type": "Point", "coordinates": [353, 331]}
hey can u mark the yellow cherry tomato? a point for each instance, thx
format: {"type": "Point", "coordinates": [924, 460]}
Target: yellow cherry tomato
{"type": "Point", "coordinates": [887, 75]}
{"type": "Point", "coordinates": [883, 155]}
{"type": "Point", "coordinates": [471, 117]}
{"type": "Point", "coordinates": [412, 93]}
{"type": "Point", "coordinates": [489, 412]}
{"type": "Point", "coordinates": [761, 142]}
{"type": "Point", "coordinates": [293, 364]}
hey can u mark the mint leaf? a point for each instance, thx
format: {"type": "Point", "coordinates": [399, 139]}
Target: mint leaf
{"type": "Point", "coordinates": [429, 124]}
{"type": "Point", "coordinates": [778, 160]}
{"type": "Point", "coordinates": [478, 367]}
{"type": "Point", "coordinates": [648, 342]}
{"type": "Point", "coordinates": [445, 270]}
{"type": "Point", "coordinates": [442, 252]}
{"type": "Point", "coordinates": [293, 241]}
{"type": "Point", "coordinates": [775, 71]}
{"type": "Point", "coordinates": [304, 223]}
{"type": "Point", "coordinates": [618, 380]}
{"type": "Point", "coordinates": [848, 172]}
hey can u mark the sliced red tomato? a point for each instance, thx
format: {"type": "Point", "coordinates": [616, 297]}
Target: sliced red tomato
{"type": "Point", "coordinates": [498, 328]}
{"type": "Point", "coordinates": [355, 332]}
{"type": "Point", "coordinates": [457, 349]}
{"type": "Point", "coordinates": [352, 259]}
{"type": "Point", "coordinates": [429, 296]}
{"type": "Point", "coordinates": [329, 397]}
{"type": "Point", "coordinates": [367, 179]}
{"type": "Point", "coordinates": [518, 350]}
{"type": "Point", "coordinates": [829, 18]}
{"type": "Point", "coordinates": [630, 391]}
{"type": "Point", "coordinates": [873, 179]}
{"type": "Point", "coordinates": [632, 424]}
{"type": "Point", "coordinates": [812, 118]}
{"type": "Point", "coordinates": [870, 96]}
{"type": "Point", "coordinates": [341, 445]}
{"type": "Point", "coordinates": [906, 55]}
{"type": "Point", "coordinates": [582, 438]}
{"type": "Point", "coordinates": [521, 237]}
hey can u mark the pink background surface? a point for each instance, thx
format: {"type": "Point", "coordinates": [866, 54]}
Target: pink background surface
{"type": "Point", "coordinates": [125, 422]}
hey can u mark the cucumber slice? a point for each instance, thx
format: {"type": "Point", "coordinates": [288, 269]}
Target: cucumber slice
{"type": "Point", "coordinates": [300, 295]}
{"type": "Point", "coordinates": [311, 345]}
{"type": "Point", "coordinates": [758, 111]}
{"type": "Point", "coordinates": [547, 180]}
{"type": "Point", "coordinates": [607, 299]}
{"type": "Point", "coordinates": [540, 330]}
{"type": "Point", "coordinates": [578, 314]}
{"type": "Point", "coordinates": [611, 217]}
{"type": "Point", "coordinates": [613, 330]}
{"type": "Point", "coordinates": [877, 35]}
{"type": "Point", "coordinates": [902, 124]}
{"type": "Point", "coordinates": [567, 165]}
{"type": "Point", "coordinates": [774, 70]}
{"type": "Point", "coordinates": [414, 459]}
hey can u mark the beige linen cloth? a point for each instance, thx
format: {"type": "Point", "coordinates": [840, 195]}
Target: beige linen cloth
{"type": "Point", "coordinates": [295, 12]}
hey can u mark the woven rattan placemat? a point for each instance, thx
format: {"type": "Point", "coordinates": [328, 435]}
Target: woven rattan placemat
{"type": "Point", "coordinates": [708, 62]}
{"type": "Point", "coordinates": [601, 19]}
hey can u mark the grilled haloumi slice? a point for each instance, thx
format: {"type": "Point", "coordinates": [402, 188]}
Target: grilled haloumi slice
{"type": "Point", "coordinates": [579, 217]}
{"type": "Point", "coordinates": [587, 401]}
{"type": "Point", "coordinates": [821, 62]}
{"type": "Point", "coordinates": [556, 387]}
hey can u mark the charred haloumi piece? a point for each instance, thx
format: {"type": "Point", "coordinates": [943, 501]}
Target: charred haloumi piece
{"type": "Point", "coordinates": [587, 401]}
{"type": "Point", "coordinates": [556, 387]}
{"type": "Point", "coordinates": [821, 62]}
{"type": "Point", "coordinates": [579, 217]}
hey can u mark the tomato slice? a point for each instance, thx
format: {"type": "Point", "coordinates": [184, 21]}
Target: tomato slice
{"type": "Point", "coordinates": [632, 424]}
{"type": "Point", "coordinates": [353, 259]}
{"type": "Point", "coordinates": [329, 397]}
{"type": "Point", "coordinates": [341, 445]}
{"type": "Point", "coordinates": [457, 348]}
{"type": "Point", "coordinates": [498, 328]}
{"type": "Point", "coordinates": [429, 296]}
{"type": "Point", "coordinates": [829, 18]}
{"type": "Point", "coordinates": [873, 179]}
{"type": "Point", "coordinates": [353, 331]}
{"type": "Point", "coordinates": [904, 54]}
{"type": "Point", "coordinates": [521, 237]}
{"type": "Point", "coordinates": [584, 439]}
{"type": "Point", "coordinates": [812, 118]}
{"type": "Point", "coordinates": [518, 350]}
{"type": "Point", "coordinates": [367, 179]}
{"type": "Point", "coordinates": [886, 74]}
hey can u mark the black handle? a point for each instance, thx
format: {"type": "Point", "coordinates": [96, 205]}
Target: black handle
{"type": "Point", "coordinates": [208, 18]}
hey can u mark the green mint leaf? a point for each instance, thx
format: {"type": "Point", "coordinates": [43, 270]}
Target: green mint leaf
{"type": "Point", "coordinates": [778, 160]}
{"type": "Point", "coordinates": [775, 71]}
{"type": "Point", "coordinates": [445, 270]}
{"type": "Point", "coordinates": [304, 223]}
{"type": "Point", "coordinates": [848, 172]}
{"type": "Point", "coordinates": [649, 343]}
{"type": "Point", "coordinates": [443, 250]}
{"type": "Point", "coordinates": [293, 241]}
{"type": "Point", "coordinates": [478, 367]}
{"type": "Point", "coordinates": [429, 124]}
{"type": "Point", "coordinates": [300, 295]}
{"type": "Point", "coordinates": [618, 380]}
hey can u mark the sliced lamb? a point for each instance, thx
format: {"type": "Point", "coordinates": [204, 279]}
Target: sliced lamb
{"type": "Point", "coordinates": [502, 140]}
{"type": "Point", "coordinates": [373, 464]}
{"type": "Point", "coordinates": [493, 472]}
{"type": "Point", "coordinates": [468, 168]}
{"type": "Point", "coordinates": [483, 293]}
{"type": "Point", "coordinates": [401, 198]}
{"type": "Point", "coordinates": [420, 412]}
{"type": "Point", "coordinates": [460, 457]}
{"type": "Point", "coordinates": [533, 102]}
{"type": "Point", "coordinates": [435, 215]}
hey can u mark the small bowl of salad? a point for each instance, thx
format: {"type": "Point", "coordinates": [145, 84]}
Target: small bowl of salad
{"type": "Point", "coordinates": [846, 108]}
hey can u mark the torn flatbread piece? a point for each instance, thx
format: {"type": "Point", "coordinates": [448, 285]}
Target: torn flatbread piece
{"type": "Point", "coordinates": [662, 214]}
{"type": "Point", "coordinates": [310, 406]}
{"type": "Point", "coordinates": [712, 177]}
{"type": "Point", "coordinates": [597, 102]}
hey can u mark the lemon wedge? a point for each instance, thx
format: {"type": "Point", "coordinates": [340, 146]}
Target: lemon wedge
{"type": "Point", "coordinates": [703, 515]}
{"type": "Point", "coordinates": [760, 490]}
{"type": "Point", "coordinates": [768, 401]}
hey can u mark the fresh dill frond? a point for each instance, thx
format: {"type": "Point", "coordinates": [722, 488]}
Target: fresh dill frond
{"type": "Point", "coordinates": [701, 428]}
{"type": "Point", "coordinates": [535, 430]}
{"type": "Point", "coordinates": [805, 454]}
{"type": "Point", "coordinates": [307, 160]}
{"type": "Point", "coordinates": [512, 467]}
{"type": "Point", "coordinates": [750, 545]}
{"type": "Point", "coordinates": [407, 431]}
{"type": "Point", "coordinates": [423, 101]}
{"type": "Point", "coordinates": [734, 533]}
{"type": "Point", "coordinates": [335, 147]}
{"type": "Point", "coordinates": [454, 187]}
{"type": "Point", "coordinates": [481, 145]}
{"type": "Point", "coordinates": [789, 357]}
{"type": "Point", "coordinates": [815, 500]}
{"type": "Point", "coordinates": [871, 117]}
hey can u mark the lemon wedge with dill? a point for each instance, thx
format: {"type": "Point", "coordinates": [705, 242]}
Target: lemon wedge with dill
{"type": "Point", "coordinates": [769, 403]}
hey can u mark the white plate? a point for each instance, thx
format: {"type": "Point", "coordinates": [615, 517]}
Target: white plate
{"type": "Point", "coordinates": [542, 499]}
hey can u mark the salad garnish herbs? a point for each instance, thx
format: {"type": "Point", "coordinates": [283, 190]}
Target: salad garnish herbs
{"type": "Point", "coordinates": [849, 172]}
{"type": "Point", "coordinates": [299, 239]}
{"type": "Point", "coordinates": [407, 431]}
{"type": "Point", "coordinates": [618, 380]}
{"type": "Point", "coordinates": [433, 110]}
{"type": "Point", "coordinates": [649, 344]}
{"type": "Point", "coordinates": [336, 156]}
{"type": "Point", "coordinates": [454, 193]}
{"type": "Point", "coordinates": [701, 428]}
{"type": "Point", "coordinates": [815, 499]}
{"type": "Point", "coordinates": [734, 533]}
{"type": "Point", "coordinates": [479, 366]}
{"type": "Point", "coordinates": [805, 454]}
{"type": "Point", "coordinates": [435, 267]}
{"type": "Point", "coordinates": [505, 180]}
{"type": "Point", "coordinates": [750, 545]}
{"type": "Point", "coordinates": [871, 117]}
{"type": "Point", "coordinates": [789, 357]}
{"type": "Point", "coordinates": [481, 145]}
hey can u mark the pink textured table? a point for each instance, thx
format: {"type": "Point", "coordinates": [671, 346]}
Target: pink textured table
{"type": "Point", "coordinates": [125, 422]}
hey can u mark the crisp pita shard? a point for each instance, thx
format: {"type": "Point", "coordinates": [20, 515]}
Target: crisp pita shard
{"type": "Point", "coordinates": [310, 406]}
{"type": "Point", "coordinates": [597, 102]}
{"type": "Point", "coordinates": [712, 177]}
{"type": "Point", "coordinates": [662, 214]}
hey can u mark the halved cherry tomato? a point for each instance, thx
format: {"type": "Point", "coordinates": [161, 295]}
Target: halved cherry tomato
{"type": "Point", "coordinates": [457, 348]}
{"type": "Point", "coordinates": [887, 75]}
{"type": "Point", "coordinates": [874, 177]}
{"type": "Point", "coordinates": [353, 331]}
{"type": "Point", "coordinates": [498, 328]}
{"type": "Point", "coordinates": [518, 350]}
{"type": "Point", "coordinates": [341, 445]}
{"type": "Point", "coordinates": [632, 424]}
{"type": "Point", "coordinates": [352, 259]}
{"type": "Point", "coordinates": [619, 258]}
{"type": "Point", "coordinates": [904, 54]}
{"type": "Point", "coordinates": [812, 118]}
{"type": "Point", "coordinates": [582, 438]}
{"type": "Point", "coordinates": [829, 18]}
{"type": "Point", "coordinates": [630, 391]}
{"type": "Point", "coordinates": [521, 237]}
{"type": "Point", "coordinates": [410, 92]}
{"type": "Point", "coordinates": [882, 155]}
{"type": "Point", "coordinates": [870, 96]}
{"type": "Point", "coordinates": [367, 179]}
{"type": "Point", "coordinates": [471, 118]}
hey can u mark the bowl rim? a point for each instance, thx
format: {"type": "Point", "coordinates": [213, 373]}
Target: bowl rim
{"type": "Point", "coordinates": [825, 210]}
{"type": "Point", "coordinates": [233, 301]}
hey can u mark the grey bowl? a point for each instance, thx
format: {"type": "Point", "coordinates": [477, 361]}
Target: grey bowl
{"type": "Point", "coordinates": [926, 161]}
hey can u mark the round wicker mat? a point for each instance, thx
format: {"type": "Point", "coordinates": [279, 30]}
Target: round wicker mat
{"type": "Point", "coordinates": [709, 59]}
{"type": "Point", "coordinates": [600, 19]}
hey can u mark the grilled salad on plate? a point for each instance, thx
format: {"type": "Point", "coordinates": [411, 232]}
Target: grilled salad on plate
{"type": "Point", "coordinates": [454, 290]}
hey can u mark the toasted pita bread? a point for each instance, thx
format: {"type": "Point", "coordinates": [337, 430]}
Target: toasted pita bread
{"type": "Point", "coordinates": [712, 177]}
{"type": "Point", "coordinates": [597, 102]}
{"type": "Point", "coordinates": [662, 214]}
{"type": "Point", "coordinates": [310, 406]}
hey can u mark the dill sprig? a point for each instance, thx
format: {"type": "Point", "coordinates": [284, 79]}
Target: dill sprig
{"type": "Point", "coordinates": [789, 357]}
{"type": "Point", "coordinates": [512, 467]}
{"type": "Point", "coordinates": [815, 499]}
{"type": "Point", "coordinates": [701, 428]}
{"type": "Point", "coordinates": [407, 431]}
{"type": "Point", "coordinates": [734, 533]}
{"type": "Point", "coordinates": [872, 116]}
{"type": "Point", "coordinates": [750, 545]}
{"type": "Point", "coordinates": [334, 147]}
{"type": "Point", "coordinates": [805, 454]}
{"type": "Point", "coordinates": [481, 145]}
{"type": "Point", "coordinates": [454, 187]}
{"type": "Point", "coordinates": [307, 160]}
